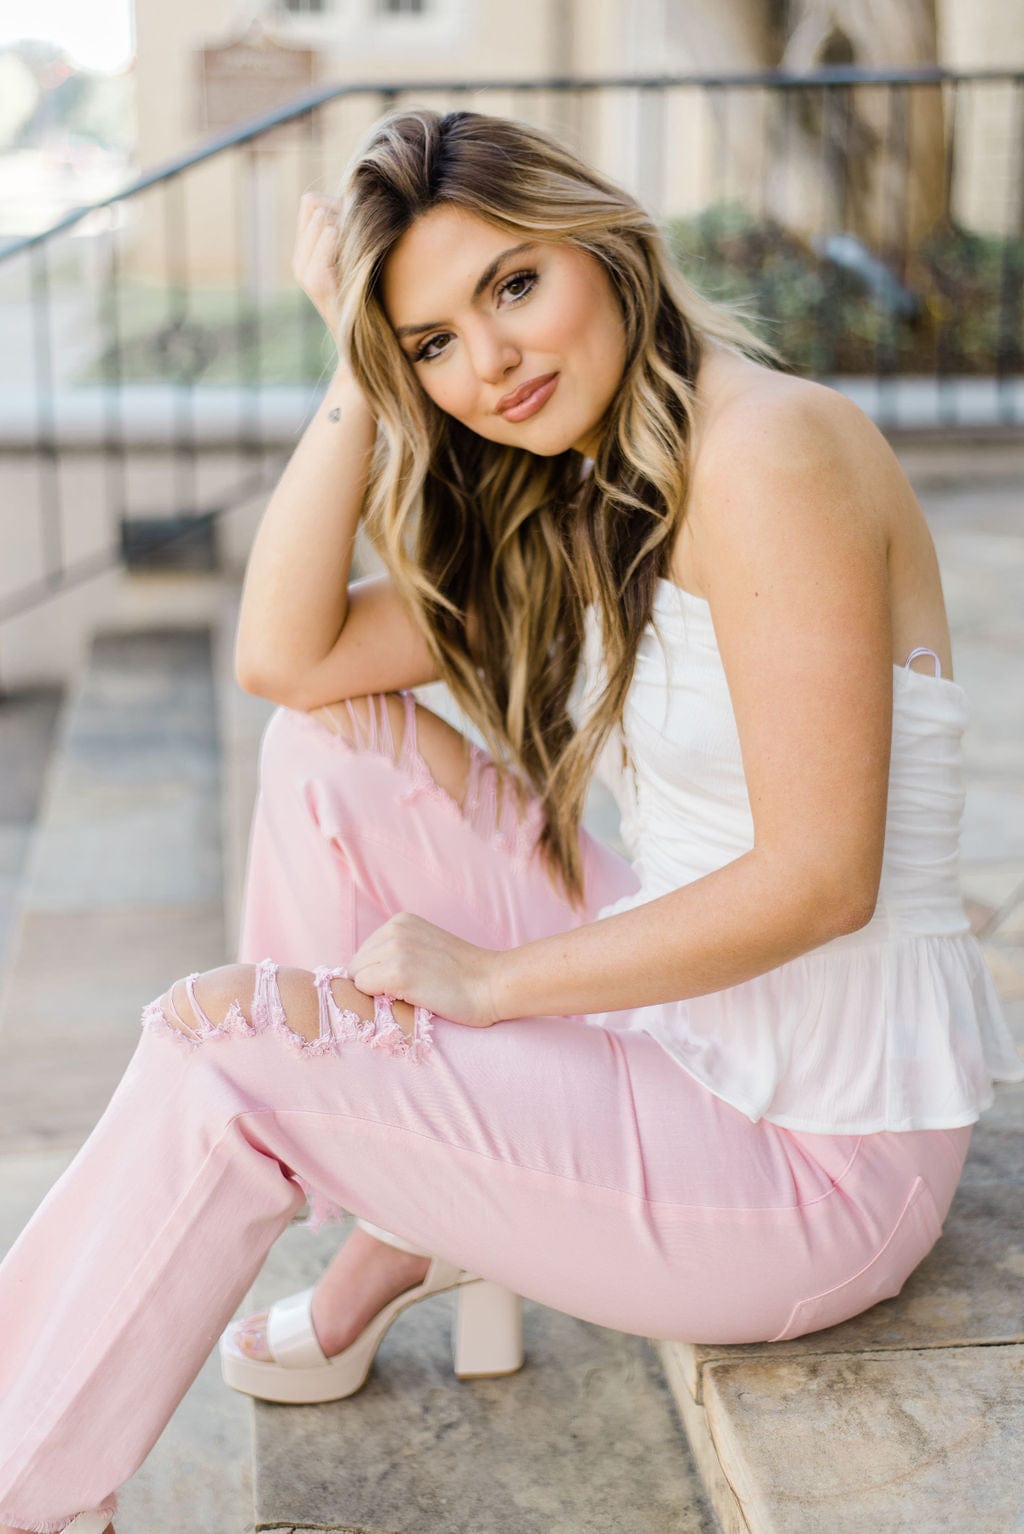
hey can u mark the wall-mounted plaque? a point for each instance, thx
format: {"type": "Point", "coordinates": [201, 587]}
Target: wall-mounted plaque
{"type": "Point", "coordinates": [251, 75]}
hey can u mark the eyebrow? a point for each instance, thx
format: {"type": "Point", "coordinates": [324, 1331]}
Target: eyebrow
{"type": "Point", "coordinates": [485, 277]}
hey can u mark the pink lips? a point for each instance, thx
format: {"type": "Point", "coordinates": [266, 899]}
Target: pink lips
{"type": "Point", "coordinates": [528, 398]}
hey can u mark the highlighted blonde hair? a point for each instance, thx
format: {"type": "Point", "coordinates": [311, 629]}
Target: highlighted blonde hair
{"type": "Point", "coordinates": [495, 541]}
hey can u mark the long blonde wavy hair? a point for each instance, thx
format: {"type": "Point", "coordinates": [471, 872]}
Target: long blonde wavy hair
{"type": "Point", "coordinates": [492, 540]}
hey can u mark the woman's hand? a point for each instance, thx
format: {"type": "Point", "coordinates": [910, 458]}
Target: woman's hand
{"type": "Point", "coordinates": [313, 263]}
{"type": "Point", "coordinates": [413, 960]}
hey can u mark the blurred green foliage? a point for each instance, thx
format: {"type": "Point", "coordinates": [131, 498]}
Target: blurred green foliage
{"type": "Point", "coordinates": [824, 319]}
{"type": "Point", "coordinates": [209, 335]}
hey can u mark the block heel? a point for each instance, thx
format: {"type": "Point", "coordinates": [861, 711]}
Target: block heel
{"type": "Point", "coordinates": [487, 1332]}
{"type": "Point", "coordinates": [486, 1338]}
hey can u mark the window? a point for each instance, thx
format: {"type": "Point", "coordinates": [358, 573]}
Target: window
{"type": "Point", "coordinates": [305, 7]}
{"type": "Point", "coordinates": [401, 7]}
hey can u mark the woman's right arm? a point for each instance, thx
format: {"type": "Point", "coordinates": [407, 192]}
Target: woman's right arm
{"type": "Point", "coordinates": [303, 637]}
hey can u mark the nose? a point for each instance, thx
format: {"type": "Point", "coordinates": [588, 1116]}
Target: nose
{"type": "Point", "coordinates": [493, 353]}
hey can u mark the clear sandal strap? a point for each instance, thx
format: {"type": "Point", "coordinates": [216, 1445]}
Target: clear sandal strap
{"type": "Point", "coordinates": [290, 1334]}
{"type": "Point", "coordinates": [88, 1523]}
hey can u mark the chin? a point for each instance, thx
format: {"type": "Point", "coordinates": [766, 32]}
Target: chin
{"type": "Point", "coordinates": [551, 441]}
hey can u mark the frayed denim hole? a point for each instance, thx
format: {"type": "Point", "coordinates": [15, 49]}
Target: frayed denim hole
{"type": "Point", "coordinates": [373, 734]}
{"type": "Point", "coordinates": [489, 809]}
{"type": "Point", "coordinates": [186, 1027]}
{"type": "Point", "coordinates": [328, 1007]}
{"type": "Point", "coordinates": [324, 1030]}
{"type": "Point", "coordinates": [383, 734]}
{"type": "Point", "coordinates": [478, 804]}
{"type": "Point", "coordinates": [267, 1007]}
{"type": "Point", "coordinates": [206, 1024]}
{"type": "Point", "coordinates": [357, 739]}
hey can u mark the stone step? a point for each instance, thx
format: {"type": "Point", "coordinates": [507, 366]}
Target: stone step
{"type": "Point", "coordinates": [900, 1442]}
{"type": "Point", "coordinates": [28, 721]}
{"type": "Point", "coordinates": [121, 893]}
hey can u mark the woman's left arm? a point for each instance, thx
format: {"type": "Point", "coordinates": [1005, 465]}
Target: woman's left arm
{"type": "Point", "coordinates": [793, 556]}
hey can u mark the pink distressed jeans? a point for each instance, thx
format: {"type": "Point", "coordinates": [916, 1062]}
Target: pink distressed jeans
{"type": "Point", "coordinates": [582, 1168]}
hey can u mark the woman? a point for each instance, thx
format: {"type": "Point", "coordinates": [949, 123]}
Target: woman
{"type": "Point", "coordinates": [734, 1084]}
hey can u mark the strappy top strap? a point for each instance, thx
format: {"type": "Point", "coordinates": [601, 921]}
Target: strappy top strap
{"type": "Point", "coordinates": [924, 650]}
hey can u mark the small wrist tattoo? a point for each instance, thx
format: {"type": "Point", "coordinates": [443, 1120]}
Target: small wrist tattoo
{"type": "Point", "coordinates": [335, 414]}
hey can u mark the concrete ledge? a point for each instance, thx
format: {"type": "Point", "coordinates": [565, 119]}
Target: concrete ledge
{"type": "Point", "coordinates": [226, 414]}
{"type": "Point", "coordinates": [901, 1442]}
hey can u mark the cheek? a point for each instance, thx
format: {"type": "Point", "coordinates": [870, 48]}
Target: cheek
{"type": "Point", "coordinates": [455, 394]}
{"type": "Point", "coordinates": [587, 326]}
{"type": "Point", "coordinates": [444, 388]}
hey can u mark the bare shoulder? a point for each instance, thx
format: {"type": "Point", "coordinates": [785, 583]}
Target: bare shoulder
{"type": "Point", "coordinates": [777, 418]}
{"type": "Point", "coordinates": [736, 391]}
{"type": "Point", "coordinates": [773, 444]}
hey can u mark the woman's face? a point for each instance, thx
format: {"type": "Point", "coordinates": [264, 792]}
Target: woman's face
{"type": "Point", "coordinates": [478, 317]}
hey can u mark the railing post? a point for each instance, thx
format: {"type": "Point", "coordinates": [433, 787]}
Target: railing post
{"type": "Point", "coordinates": [46, 426]}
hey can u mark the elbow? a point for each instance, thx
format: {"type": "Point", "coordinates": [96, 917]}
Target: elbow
{"type": "Point", "coordinates": [853, 907]}
{"type": "Point", "coordinates": [829, 907]}
{"type": "Point", "coordinates": [261, 683]}
{"type": "Point", "coordinates": [852, 918]}
{"type": "Point", "coordinates": [248, 671]}
{"type": "Point", "coordinates": [249, 677]}
{"type": "Point", "coordinates": [826, 901]}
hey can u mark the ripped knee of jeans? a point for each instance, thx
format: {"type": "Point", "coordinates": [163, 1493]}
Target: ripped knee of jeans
{"type": "Point", "coordinates": [316, 1021]}
{"type": "Point", "coordinates": [488, 802]}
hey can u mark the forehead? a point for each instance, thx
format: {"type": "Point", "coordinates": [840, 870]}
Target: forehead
{"type": "Point", "coordinates": [437, 261]}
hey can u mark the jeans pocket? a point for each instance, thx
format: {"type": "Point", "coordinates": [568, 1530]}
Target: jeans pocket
{"type": "Point", "coordinates": [908, 1243]}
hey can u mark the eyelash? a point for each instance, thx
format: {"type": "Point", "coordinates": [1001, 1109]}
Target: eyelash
{"type": "Point", "coordinates": [421, 354]}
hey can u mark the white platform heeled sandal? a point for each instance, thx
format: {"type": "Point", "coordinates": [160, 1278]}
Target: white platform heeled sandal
{"type": "Point", "coordinates": [88, 1523]}
{"type": "Point", "coordinates": [487, 1337]}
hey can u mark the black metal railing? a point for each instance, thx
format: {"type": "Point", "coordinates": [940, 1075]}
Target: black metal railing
{"type": "Point", "coordinates": [169, 362]}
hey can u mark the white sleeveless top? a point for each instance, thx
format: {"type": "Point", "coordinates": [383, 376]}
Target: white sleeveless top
{"type": "Point", "coordinates": [896, 1026]}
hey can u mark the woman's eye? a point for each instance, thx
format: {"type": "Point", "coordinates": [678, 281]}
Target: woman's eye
{"type": "Point", "coordinates": [527, 277]}
{"type": "Point", "coordinates": [424, 354]}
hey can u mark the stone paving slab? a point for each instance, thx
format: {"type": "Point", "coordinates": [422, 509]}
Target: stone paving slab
{"type": "Point", "coordinates": [28, 723]}
{"type": "Point", "coordinates": [1010, 924]}
{"type": "Point", "coordinates": [69, 1011]}
{"type": "Point", "coordinates": [206, 1446]}
{"type": "Point", "coordinates": [132, 949]}
{"type": "Point", "coordinates": [15, 841]}
{"type": "Point", "coordinates": [156, 847]}
{"type": "Point", "coordinates": [28, 720]}
{"type": "Point", "coordinates": [902, 1443]}
{"type": "Point", "coordinates": [993, 820]}
{"type": "Point", "coordinates": [998, 887]}
{"type": "Point", "coordinates": [583, 1440]}
{"type": "Point", "coordinates": [131, 809]}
